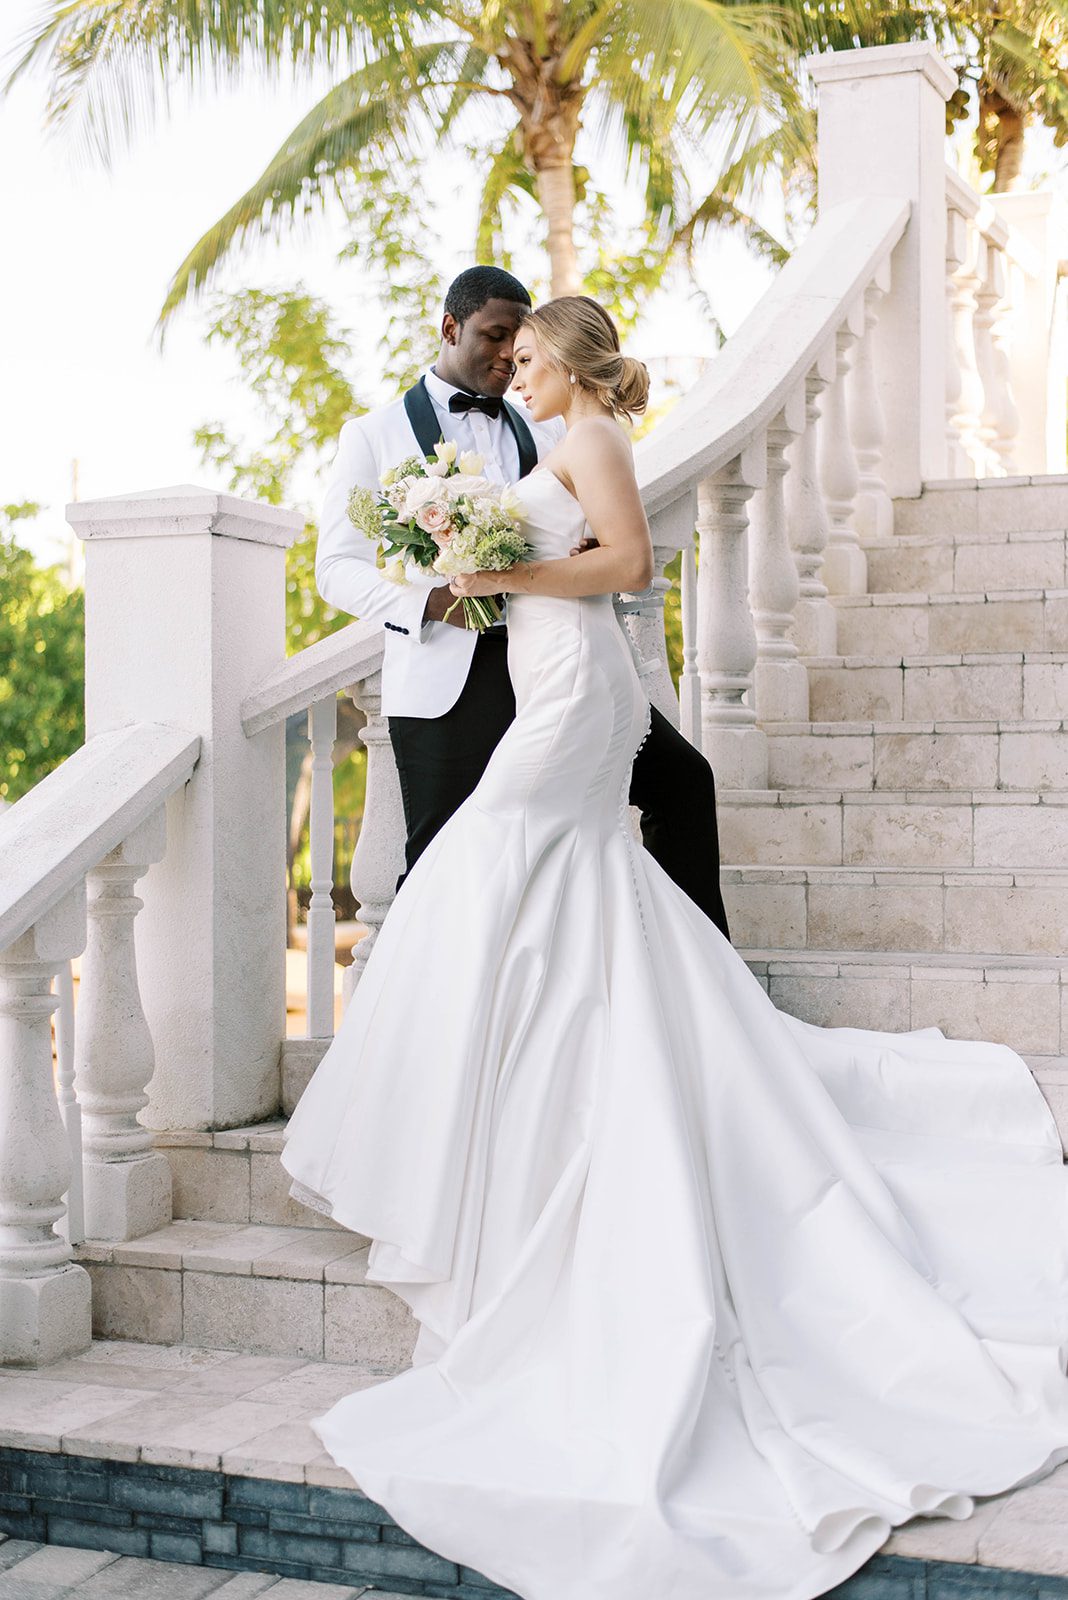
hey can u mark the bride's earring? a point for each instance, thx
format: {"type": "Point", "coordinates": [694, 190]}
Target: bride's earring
{"type": "Point", "coordinates": [572, 377]}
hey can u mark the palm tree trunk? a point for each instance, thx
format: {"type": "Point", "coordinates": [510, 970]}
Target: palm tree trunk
{"type": "Point", "coordinates": [1010, 136]}
{"type": "Point", "coordinates": [556, 196]}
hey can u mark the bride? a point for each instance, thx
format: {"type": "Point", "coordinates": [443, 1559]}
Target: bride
{"type": "Point", "coordinates": [709, 1299]}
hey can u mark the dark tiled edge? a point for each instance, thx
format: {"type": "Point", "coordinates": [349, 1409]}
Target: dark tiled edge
{"type": "Point", "coordinates": [301, 1530]}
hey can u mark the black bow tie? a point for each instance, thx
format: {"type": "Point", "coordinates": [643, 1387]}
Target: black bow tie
{"type": "Point", "coordinates": [474, 402]}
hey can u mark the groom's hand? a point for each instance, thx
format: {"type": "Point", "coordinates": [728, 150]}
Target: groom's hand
{"type": "Point", "coordinates": [584, 545]}
{"type": "Point", "coordinates": [438, 602]}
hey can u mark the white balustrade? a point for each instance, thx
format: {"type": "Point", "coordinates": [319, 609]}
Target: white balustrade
{"type": "Point", "coordinates": [378, 860]}
{"type": "Point", "coordinates": [727, 641]}
{"type": "Point", "coordinates": [322, 732]}
{"type": "Point", "coordinates": [964, 387]}
{"type": "Point", "coordinates": [45, 1309]}
{"type": "Point", "coordinates": [127, 1182]}
{"type": "Point", "coordinates": [73, 1221]}
{"type": "Point", "coordinates": [845, 567]}
{"type": "Point", "coordinates": [874, 509]}
{"type": "Point", "coordinates": [816, 627]}
{"type": "Point", "coordinates": [780, 680]}
{"type": "Point", "coordinates": [1000, 418]}
{"type": "Point", "coordinates": [690, 679]}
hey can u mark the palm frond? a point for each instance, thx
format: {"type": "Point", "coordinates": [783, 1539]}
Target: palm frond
{"type": "Point", "coordinates": [379, 107]}
{"type": "Point", "coordinates": [507, 172]}
{"type": "Point", "coordinates": [111, 63]}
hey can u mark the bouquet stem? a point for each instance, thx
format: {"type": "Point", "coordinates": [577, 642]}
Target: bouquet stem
{"type": "Point", "coordinates": [479, 611]}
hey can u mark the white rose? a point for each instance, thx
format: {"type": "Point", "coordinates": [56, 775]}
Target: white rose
{"type": "Point", "coordinates": [421, 491]}
{"type": "Point", "coordinates": [445, 450]}
{"type": "Point", "coordinates": [471, 463]}
{"type": "Point", "coordinates": [437, 469]}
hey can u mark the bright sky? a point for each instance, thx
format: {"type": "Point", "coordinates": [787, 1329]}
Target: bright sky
{"type": "Point", "coordinates": [87, 259]}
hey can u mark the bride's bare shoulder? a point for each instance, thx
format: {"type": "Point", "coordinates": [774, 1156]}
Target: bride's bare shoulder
{"type": "Point", "coordinates": [598, 441]}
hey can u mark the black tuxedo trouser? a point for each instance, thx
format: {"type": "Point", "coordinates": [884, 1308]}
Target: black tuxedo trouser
{"type": "Point", "coordinates": [441, 759]}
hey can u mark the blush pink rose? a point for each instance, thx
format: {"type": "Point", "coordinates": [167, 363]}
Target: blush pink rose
{"type": "Point", "coordinates": [435, 520]}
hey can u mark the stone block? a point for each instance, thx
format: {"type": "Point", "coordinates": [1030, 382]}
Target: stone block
{"type": "Point", "coordinates": [124, 1199]}
{"type": "Point", "coordinates": [266, 1495]}
{"type": "Point", "coordinates": [779, 835]}
{"type": "Point", "coordinates": [1011, 565]}
{"type": "Point", "coordinates": [936, 761]}
{"type": "Point", "coordinates": [210, 1185]}
{"type": "Point", "coordinates": [911, 569]}
{"type": "Point", "coordinates": [1055, 636]}
{"type": "Point", "coordinates": [907, 835]}
{"type": "Point", "coordinates": [1034, 760]}
{"type": "Point", "coordinates": [176, 1547]}
{"type": "Point", "coordinates": [1036, 506]}
{"type": "Point", "coordinates": [852, 694]}
{"type": "Point", "coordinates": [94, 1536]}
{"type": "Point", "coordinates": [271, 1201]}
{"type": "Point", "coordinates": [397, 1561]}
{"type": "Point", "coordinates": [220, 1537]}
{"type": "Point", "coordinates": [345, 1504]}
{"type": "Point", "coordinates": [279, 1452]}
{"type": "Point", "coordinates": [963, 693]}
{"type": "Point", "coordinates": [994, 625]}
{"type": "Point", "coordinates": [136, 1303]}
{"type": "Point", "coordinates": [1023, 1016]}
{"type": "Point", "coordinates": [57, 1569]}
{"type": "Point", "coordinates": [1045, 690]}
{"type": "Point", "coordinates": [140, 1492]}
{"type": "Point", "coordinates": [804, 761]}
{"type": "Point", "coordinates": [844, 916]}
{"type": "Point", "coordinates": [1021, 836]}
{"type": "Point", "coordinates": [883, 630]}
{"type": "Point", "coordinates": [842, 1002]}
{"type": "Point", "coordinates": [369, 1326]}
{"type": "Point", "coordinates": [261, 1316]}
{"type": "Point", "coordinates": [1022, 920]}
{"type": "Point", "coordinates": [766, 915]}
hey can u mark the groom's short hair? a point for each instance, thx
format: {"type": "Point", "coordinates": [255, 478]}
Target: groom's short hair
{"type": "Point", "coordinates": [469, 292]}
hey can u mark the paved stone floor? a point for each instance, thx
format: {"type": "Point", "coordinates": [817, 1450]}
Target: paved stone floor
{"type": "Point", "coordinates": [31, 1571]}
{"type": "Point", "coordinates": [184, 1406]}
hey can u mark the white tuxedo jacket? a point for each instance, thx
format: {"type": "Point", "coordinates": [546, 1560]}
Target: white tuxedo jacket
{"type": "Point", "coordinates": [424, 666]}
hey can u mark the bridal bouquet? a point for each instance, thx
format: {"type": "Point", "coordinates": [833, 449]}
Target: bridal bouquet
{"type": "Point", "coordinates": [439, 513]}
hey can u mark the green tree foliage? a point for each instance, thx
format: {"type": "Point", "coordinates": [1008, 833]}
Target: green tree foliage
{"type": "Point", "coordinates": [42, 662]}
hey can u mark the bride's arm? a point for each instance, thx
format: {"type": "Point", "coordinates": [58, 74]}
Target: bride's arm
{"type": "Point", "coordinates": [596, 458]}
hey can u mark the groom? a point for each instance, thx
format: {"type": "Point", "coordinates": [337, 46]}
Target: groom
{"type": "Point", "coordinates": [445, 689]}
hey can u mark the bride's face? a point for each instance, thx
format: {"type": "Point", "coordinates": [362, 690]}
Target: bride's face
{"type": "Point", "coordinates": [545, 390]}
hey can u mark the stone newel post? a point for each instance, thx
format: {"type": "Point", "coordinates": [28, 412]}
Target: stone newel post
{"type": "Point", "coordinates": [882, 132]}
{"type": "Point", "coordinates": [185, 614]}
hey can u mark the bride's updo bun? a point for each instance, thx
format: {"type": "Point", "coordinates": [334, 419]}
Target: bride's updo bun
{"type": "Point", "coordinates": [579, 336]}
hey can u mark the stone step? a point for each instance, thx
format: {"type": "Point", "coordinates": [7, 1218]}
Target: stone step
{"type": "Point", "coordinates": [1019, 1002]}
{"type": "Point", "coordinates": [944, 563]}
{"type": "Point", "coordinates": [206, 1457]}
{"type": "Point", "coordinates": [941, 624]}
{"type": "Point", "coordinates": [929, 755]}
{"type": "Point", "coordinates": [234, 1175]}
{"type": "Point", "coordinates": [267, 1291]}
{"type": "Point", "coordinates": [885, 828]}
{"type": "Point", "coordinates": [962, 911]}
{"type": "Point", "coordinates": [950, 688]}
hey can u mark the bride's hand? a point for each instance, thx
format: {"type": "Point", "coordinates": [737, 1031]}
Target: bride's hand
{"type": "Point", "coordinates": [479, 583]}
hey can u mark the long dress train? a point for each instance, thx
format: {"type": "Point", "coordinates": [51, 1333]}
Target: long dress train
{"type": "Point", "coordinates": [709, 1299]}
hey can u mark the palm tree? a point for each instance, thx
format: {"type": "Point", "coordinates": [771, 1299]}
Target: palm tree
{"type": "Point", "coordinates": [658, 79]}
{"type": "Point", "coordinates": [1020, 53]}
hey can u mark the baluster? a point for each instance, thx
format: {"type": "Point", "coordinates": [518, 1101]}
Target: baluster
{"type": "Point", "coordinates": [672, 530]}
{"type": "Point", "coordinates": [73, 1222]}
{"type": "Point", "coordinates": [45, 1300]}
{"type": "Point", "coordinates": [964, 422]}
{"type": "Point", "coordinates": [127, 1182]}
{"type": "Point", "coordinates": [378, 859]}
{"type": "Point", "coordinates": [1001, 419]}
{"type": "Point", "coordinates": [322, 732]}
{"type": "Point", "coordinates": [875, 509]}
{"type": "Point", "coordinates": [957, 460]}
{"type": "Point", "coordinates": [845, 567]}
{"type": "Point", "coordinates": [690, 681]}
{"type": "Point", "coordinates": [727, 642]}
{"type": "Point", "coordinates": [816, 625]}
{"type": "Point", "coordinates": [781, 682]}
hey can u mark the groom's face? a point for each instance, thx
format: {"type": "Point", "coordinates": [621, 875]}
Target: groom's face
{"type": "Point", "coordinates": [482, 346]}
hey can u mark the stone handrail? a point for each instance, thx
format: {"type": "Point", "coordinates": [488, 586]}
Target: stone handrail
{"type": "Point", "coordinates": [73, 848]}
{"type": "Point", "coordinates": [310, 675]}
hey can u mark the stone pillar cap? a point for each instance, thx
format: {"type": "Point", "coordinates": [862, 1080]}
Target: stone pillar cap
{"type": "Point", "coordinates": [155, 513]}
{"type": "Point", "coordinates": [882, 61]}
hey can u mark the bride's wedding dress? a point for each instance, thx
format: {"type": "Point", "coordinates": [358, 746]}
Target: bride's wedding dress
{"type": "Point", "coordinates": [710, 1299]}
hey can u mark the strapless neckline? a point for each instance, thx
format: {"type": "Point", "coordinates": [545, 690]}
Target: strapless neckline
{"type": "Point", "coordinates": [549, 473]}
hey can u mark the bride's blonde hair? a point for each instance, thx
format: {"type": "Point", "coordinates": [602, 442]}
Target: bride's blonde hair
{"type": "Point", "coordinates": [577, 335]}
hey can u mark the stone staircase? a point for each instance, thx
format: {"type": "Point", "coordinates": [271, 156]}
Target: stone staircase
{"type": "Point", "coordinates": [909, 866]}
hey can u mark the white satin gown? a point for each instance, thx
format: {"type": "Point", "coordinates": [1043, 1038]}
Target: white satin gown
{"type": "Point", "coordinates": [709, 1299]}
